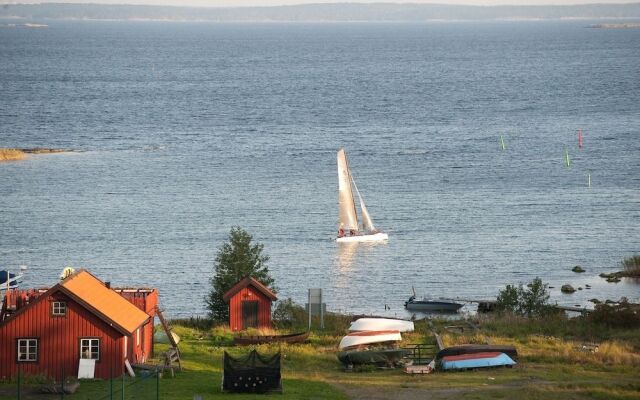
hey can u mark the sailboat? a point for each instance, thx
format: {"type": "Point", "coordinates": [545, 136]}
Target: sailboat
{"type": "Point", "coordinates": [349, 229]}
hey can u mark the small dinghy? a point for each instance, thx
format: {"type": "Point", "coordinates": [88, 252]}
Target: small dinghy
{"type": "Point", "coordinates": [381, 324]}
{"type": "Point", "coordinates": [356, 339]}
{"type": "Point", "coordinates": [426, 305]}
{"type": "Point", "coordinates": [477, 360]}
{"type": "Point", "coordinates": [478, 348]}
{"type": "Point", "coordinates": [381, 357]}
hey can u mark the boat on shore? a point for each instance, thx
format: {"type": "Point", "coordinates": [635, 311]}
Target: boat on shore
{"type": "Point", "coordinates": [362, 338]}
{"type": "Point", "coordinates": [427, 305]}
{"type": "Point", "coordinates": [381, 324]}
{"type": "Point", "coordinates": [380, 357]}
{"type": "Point", "coordinates": [299, 337]}
{"type": "Point", "coordinates": [477, 348]}
{"type": "Point", "coordinates": [349, 229]}
{"type": "Point", "coordinates": [477, 360]}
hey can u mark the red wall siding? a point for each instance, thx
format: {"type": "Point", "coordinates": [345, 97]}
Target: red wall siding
{"type": "Point", "coordinates": [59, 340]}
{"type": "Point", "coordinates": [235, 308]}
{"type": "Point", "coordinates": [147, 302]}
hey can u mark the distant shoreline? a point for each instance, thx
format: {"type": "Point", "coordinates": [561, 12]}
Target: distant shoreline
{"type": "Point", "coordinates": [320, 12]}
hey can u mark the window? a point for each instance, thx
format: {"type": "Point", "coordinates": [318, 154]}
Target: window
{"type": "Point", "coordinates": [27, 350]}
{"type": "Point", "coordinates": [58, 308]}
{"type": "Point", "coordinates": [90, 349]}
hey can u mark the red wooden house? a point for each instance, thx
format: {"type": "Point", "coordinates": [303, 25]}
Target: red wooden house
{"type": "Point", "coordinates": [249, 304]}
{"type": "Point", "coordinates": [48, 331]}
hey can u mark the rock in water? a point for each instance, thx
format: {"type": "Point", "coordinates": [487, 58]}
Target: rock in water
{"type": "Point", "coordinates": [578, 268]}
{"type": "Point", "coordinates": [567, 289]}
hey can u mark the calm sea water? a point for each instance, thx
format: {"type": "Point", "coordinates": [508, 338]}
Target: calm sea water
{"type": "Point", "coordinates": [185, 130]}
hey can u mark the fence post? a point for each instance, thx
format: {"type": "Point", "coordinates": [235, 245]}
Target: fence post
{"type": "Point", "coordinates": [111, 384]}
{"type": "Point", "coordinates": [19, 369]}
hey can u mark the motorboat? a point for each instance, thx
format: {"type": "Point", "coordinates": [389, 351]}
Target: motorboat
{"type": "Point", "coordinates": [428, 305]}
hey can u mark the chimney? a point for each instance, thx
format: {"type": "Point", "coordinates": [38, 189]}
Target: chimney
{"type": "Point", "coordinates": [108, 285]}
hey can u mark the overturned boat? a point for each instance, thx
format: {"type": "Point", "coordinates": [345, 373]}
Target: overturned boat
{"type": "Point", "coordinates": [380, 357]}
{"type": "Point", "coordinates": [477, 360]}
{"type": "Point", "coordinates": [357, 339]}
{"type": "Point", "coordinates": [381, 324]}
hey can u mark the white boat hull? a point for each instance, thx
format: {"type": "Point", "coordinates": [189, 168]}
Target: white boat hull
{"type": "Point", "coordinates": [378, 237]}
{"type": "Point", "coordinates": [361, 338]}
{"type": "Point", "coordinates": [381, 324]}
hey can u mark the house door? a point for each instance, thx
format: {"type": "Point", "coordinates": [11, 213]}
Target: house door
{"type": "Point", "coordinates": [249, 314]}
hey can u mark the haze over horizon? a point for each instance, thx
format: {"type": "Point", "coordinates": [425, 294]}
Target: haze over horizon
{"type": "Point", "coordinates": [271, 3]}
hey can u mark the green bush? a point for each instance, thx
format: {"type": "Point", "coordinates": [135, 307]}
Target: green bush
{"type": "Point", "coordinates": [620, 315]}
{"type": "Point", "coordinates": [529, 302]}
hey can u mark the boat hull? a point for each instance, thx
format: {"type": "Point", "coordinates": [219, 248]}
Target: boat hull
{"type": "Point", "coordinates": [477, 348]}
{"type": "Point", "coordinates": [381, 324]}
{"type": "Point", "coordinates": [477, 360]}
{"type": "Point", "coordinates": [375, 357]}
{"type": "Point", "coordinates": [378, 237]}
{"type": "Point", "coordinates": [292, 338]}
{"type": "Point", "coordinates": [362, 338]}
{"type": "Point", "coordinates": [437, 306]}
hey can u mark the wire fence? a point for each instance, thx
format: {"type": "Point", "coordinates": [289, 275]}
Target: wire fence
{"type": "Point", "coordinates": [144, 386]}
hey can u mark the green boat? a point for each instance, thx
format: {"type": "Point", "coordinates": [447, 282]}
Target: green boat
{"type": "Point", "coordinates": [382, 357]}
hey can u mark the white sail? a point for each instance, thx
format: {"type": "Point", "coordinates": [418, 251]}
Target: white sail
{"type": "Point", "coordinates": [367, 222]}
{"type": "Point", "coordinates": [348, 218]}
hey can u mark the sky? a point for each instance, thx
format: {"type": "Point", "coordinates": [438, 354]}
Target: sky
{"type": "Point", "coordinates": [246, 3]}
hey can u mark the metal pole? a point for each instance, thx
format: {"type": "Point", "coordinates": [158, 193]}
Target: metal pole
{"type": "Point", "coordinates": [309, 301]}
{"type": "Point", "coordinates": [321, 312]}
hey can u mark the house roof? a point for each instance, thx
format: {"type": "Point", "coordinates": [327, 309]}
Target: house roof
{"type": "Point", "coordinates": [248, 281]}
{"type": "Point", "coordinates": [92, 293]}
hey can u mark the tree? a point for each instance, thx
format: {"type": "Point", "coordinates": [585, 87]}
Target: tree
{"type": "Point", "coordinates": [530, 302]}
{"type": "Point", "coordinates": [236, 259]}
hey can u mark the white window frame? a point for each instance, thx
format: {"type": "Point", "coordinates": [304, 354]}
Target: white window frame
{"type": "Point", "coordinates": [92, 345]}
{"type": "Point", "coordinates": [138, 337]}
{"type": "Point", "coordinates": [58, 308]}
{"type": "Point", "coordinates": [27, 350]}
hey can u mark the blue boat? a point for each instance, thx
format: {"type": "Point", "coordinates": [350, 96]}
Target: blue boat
{"type": "Point", "coordinates": [477, 360]}
{"type": "Point", "coordinates": [8, 280]}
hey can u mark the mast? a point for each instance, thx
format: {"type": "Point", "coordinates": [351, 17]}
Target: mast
{"type": "Point", "coordinates": [348, 219]}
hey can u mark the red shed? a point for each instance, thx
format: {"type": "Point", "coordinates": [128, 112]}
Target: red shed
{"type": "Point", "coordinates": [249, 304]}
{"type": "Point", "coordinates": [49, 331]}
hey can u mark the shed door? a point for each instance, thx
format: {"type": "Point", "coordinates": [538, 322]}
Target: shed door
{"type": "Point", "coordinates": [249, 314]}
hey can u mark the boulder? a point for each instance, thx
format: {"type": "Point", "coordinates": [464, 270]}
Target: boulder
{"type": "Point", "coordinates": [567, 289]}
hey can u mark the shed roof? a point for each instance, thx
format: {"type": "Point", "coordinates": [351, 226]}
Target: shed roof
{"type": "Point", "coordinates": [92, 293]}
{"type": "Point", "coordinates": [248, 281]}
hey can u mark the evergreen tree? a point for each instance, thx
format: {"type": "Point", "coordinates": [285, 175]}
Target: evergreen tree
{"type": "Point", "coordinates": [236, 259]}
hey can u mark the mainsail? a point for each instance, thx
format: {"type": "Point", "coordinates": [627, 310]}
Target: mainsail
{"type": "Point", "coordinates": [348, 217]}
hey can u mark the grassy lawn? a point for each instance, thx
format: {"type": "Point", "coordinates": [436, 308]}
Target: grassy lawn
{"type": "Point", "coordinates": [553, 363]}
